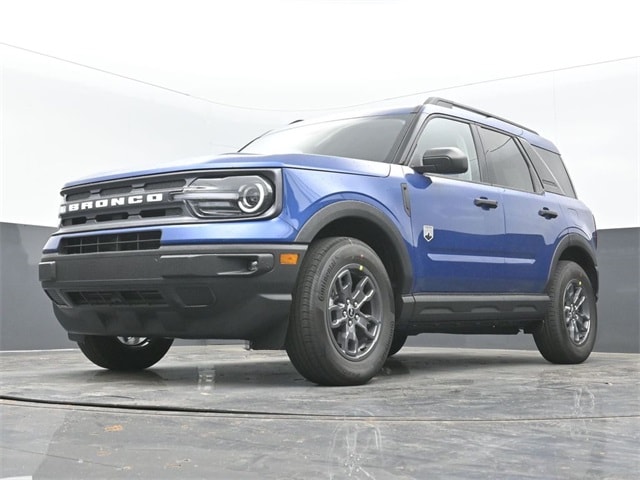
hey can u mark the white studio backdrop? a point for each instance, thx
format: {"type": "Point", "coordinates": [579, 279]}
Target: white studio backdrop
{"type": "Point", "coordinates": [60, 120]}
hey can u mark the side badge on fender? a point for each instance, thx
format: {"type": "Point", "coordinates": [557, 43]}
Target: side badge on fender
{"type": "Point", "coordinates": [427, 232]}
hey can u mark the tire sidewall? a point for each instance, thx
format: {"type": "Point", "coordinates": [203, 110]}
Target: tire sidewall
{"type": "Point", "coordinates": [342, 255]}
{"type": "Point", "coordinates": [570, 272]}
{"type": "Point", "coordinates": [109, 352]}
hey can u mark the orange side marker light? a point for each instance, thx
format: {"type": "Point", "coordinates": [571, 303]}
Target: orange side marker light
{"type": "Point", "coordinates": [289, 258]}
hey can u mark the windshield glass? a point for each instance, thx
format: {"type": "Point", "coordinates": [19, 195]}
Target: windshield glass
{"type": "Point", "coordinates": [369, 138]}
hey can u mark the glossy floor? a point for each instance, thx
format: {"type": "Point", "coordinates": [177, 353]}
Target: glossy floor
{"type": "Point", "coordinates": [222, 412]}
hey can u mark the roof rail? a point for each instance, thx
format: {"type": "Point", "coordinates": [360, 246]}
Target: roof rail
{"type": "Point", "coordinates": [442, 102]}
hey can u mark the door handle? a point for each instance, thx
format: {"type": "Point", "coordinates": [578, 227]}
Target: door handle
{"type": "Point", "coordinates": [546, 213]}
{"type": "Point", "coordinates": [484, 202]}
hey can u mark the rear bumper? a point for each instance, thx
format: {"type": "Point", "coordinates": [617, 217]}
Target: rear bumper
{"type": "Point", "coordinates": [212, 291]}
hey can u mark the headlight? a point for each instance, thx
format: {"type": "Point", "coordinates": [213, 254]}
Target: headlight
{"type": "Point", "coordinates": [252, 196]}
{"type": "Point", "coordinates": [229, 197]}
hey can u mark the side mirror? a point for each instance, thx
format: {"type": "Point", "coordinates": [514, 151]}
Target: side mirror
{"type": "Point", "coordinates": [443, 160]}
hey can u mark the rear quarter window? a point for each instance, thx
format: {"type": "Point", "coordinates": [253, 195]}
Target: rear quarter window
{"type": "Point", "coordinates": [554, 163]}
{"type": "Point", "coordinates": [548, 179]}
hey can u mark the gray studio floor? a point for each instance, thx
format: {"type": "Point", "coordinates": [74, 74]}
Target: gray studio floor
{"type": "Point", "coordinates": [222, 412]}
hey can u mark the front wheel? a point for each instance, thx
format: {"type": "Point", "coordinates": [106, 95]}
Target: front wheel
{"type": "Point", "coordinates": [124, 353]}
{"type": "Point", "coordinates": [399, 339]}
{"type": "Point", "coordinates": [568, 332]}
{"type": "Point", "coordinates": [341, 323]}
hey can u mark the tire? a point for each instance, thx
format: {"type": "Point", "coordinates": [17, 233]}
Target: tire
{"type": "Point", "coordinates": [124, 353]}
{"type": "Point", "coordinates": [399, 339]}
{"type": "Point", "coordinates": [568, 333]}
{"type": "Point", "coordinates": [342, 319]}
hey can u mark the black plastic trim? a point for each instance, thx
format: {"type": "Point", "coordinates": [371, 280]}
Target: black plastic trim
{"type": "Point", "coordinates": [478, 313]}
{"type": "Point", "coordinates": [204, 291]}
{"type": "Point", "coordinates": [548, 214]}
{"type": "Point", "coordinates": [406, 200]}
{"type": "Point", "coordinates": [485, 202]}
{"type": "Point", "coordinates": [575, 240]}
{"type": "Point", "coordinates": [367, 212]}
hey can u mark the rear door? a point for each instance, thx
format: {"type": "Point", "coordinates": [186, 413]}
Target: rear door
{"type": "Point", "coordinates": [533, 218]}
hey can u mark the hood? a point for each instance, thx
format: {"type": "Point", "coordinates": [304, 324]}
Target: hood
{"type": "Point", "coordinates": [251, 161]}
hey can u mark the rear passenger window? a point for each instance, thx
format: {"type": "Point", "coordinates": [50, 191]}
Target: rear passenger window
{"type": "Point", "coordinates": [555, 164]}
{"type": "Point", "coordinates": [505, 164]}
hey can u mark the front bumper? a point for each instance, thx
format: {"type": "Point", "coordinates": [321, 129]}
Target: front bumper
{"type": "Point", "coordinates": [204, 291]}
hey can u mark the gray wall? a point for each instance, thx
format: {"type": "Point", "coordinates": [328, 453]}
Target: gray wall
{"type": "Point", "coordinates": [27, 321]}
{"type": "Point", "coordinates": [26, 317]}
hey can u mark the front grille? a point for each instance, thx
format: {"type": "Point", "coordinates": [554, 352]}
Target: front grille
{"type": "Point", "coordinates": [111, 242]}
{"type": "Point", "coordinates": [132, 298]}
{"type": "Point", "coordinates": [138, 200]}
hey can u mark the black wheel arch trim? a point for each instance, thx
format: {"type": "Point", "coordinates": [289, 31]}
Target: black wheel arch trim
{"type": "Point", "coordinates": [367, 212]}
{"type": "Point", "coordinates": [575, 240]}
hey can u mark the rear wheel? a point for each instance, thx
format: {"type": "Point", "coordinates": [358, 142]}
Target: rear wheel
{"type": "Point", "coordinates": [124, 353]}
{"type": "Point", "coordinates": [342, 320]}
{"type": "Point", "coordinates": [568, 333]}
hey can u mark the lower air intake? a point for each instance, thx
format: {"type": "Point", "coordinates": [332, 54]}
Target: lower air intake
{"type": "Point", "coordinates": [131, 298]}
{"type": "Point", "coordinates": [113, 242]}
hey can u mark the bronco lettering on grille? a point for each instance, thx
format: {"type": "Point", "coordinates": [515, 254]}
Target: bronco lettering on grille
{"type": "Point", "coordinates": [112, 202]}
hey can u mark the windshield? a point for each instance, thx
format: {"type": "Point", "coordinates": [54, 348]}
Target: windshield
{"type": "Point", "coordinates": [368, 138]}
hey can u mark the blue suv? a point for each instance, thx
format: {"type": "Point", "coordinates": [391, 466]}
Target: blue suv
{"type": "Point", "coordinates": [334, 239]}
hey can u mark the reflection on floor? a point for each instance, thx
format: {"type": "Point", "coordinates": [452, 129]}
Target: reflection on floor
{"type": "Point", "coordinates": [222, 412]}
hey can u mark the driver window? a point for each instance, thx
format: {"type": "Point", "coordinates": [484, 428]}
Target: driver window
{"type": "Point", "coordinates": [443, 132]}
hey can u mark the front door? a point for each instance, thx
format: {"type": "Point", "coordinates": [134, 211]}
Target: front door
{"type": "Point", "coordinates": [458, 222]}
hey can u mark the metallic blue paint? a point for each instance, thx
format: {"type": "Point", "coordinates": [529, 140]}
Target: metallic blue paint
{"type": "Point", "coordinates": [473, 249]}
{"type": "Point", "coordinates": [254, 162]}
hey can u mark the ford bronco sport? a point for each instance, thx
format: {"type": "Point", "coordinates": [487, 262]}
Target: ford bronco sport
{"type": "Point", "coordinates": [334, 239]}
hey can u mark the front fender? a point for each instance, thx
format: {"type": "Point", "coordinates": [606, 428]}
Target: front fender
{"type": "Point", "coordinates": [358, 209]}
